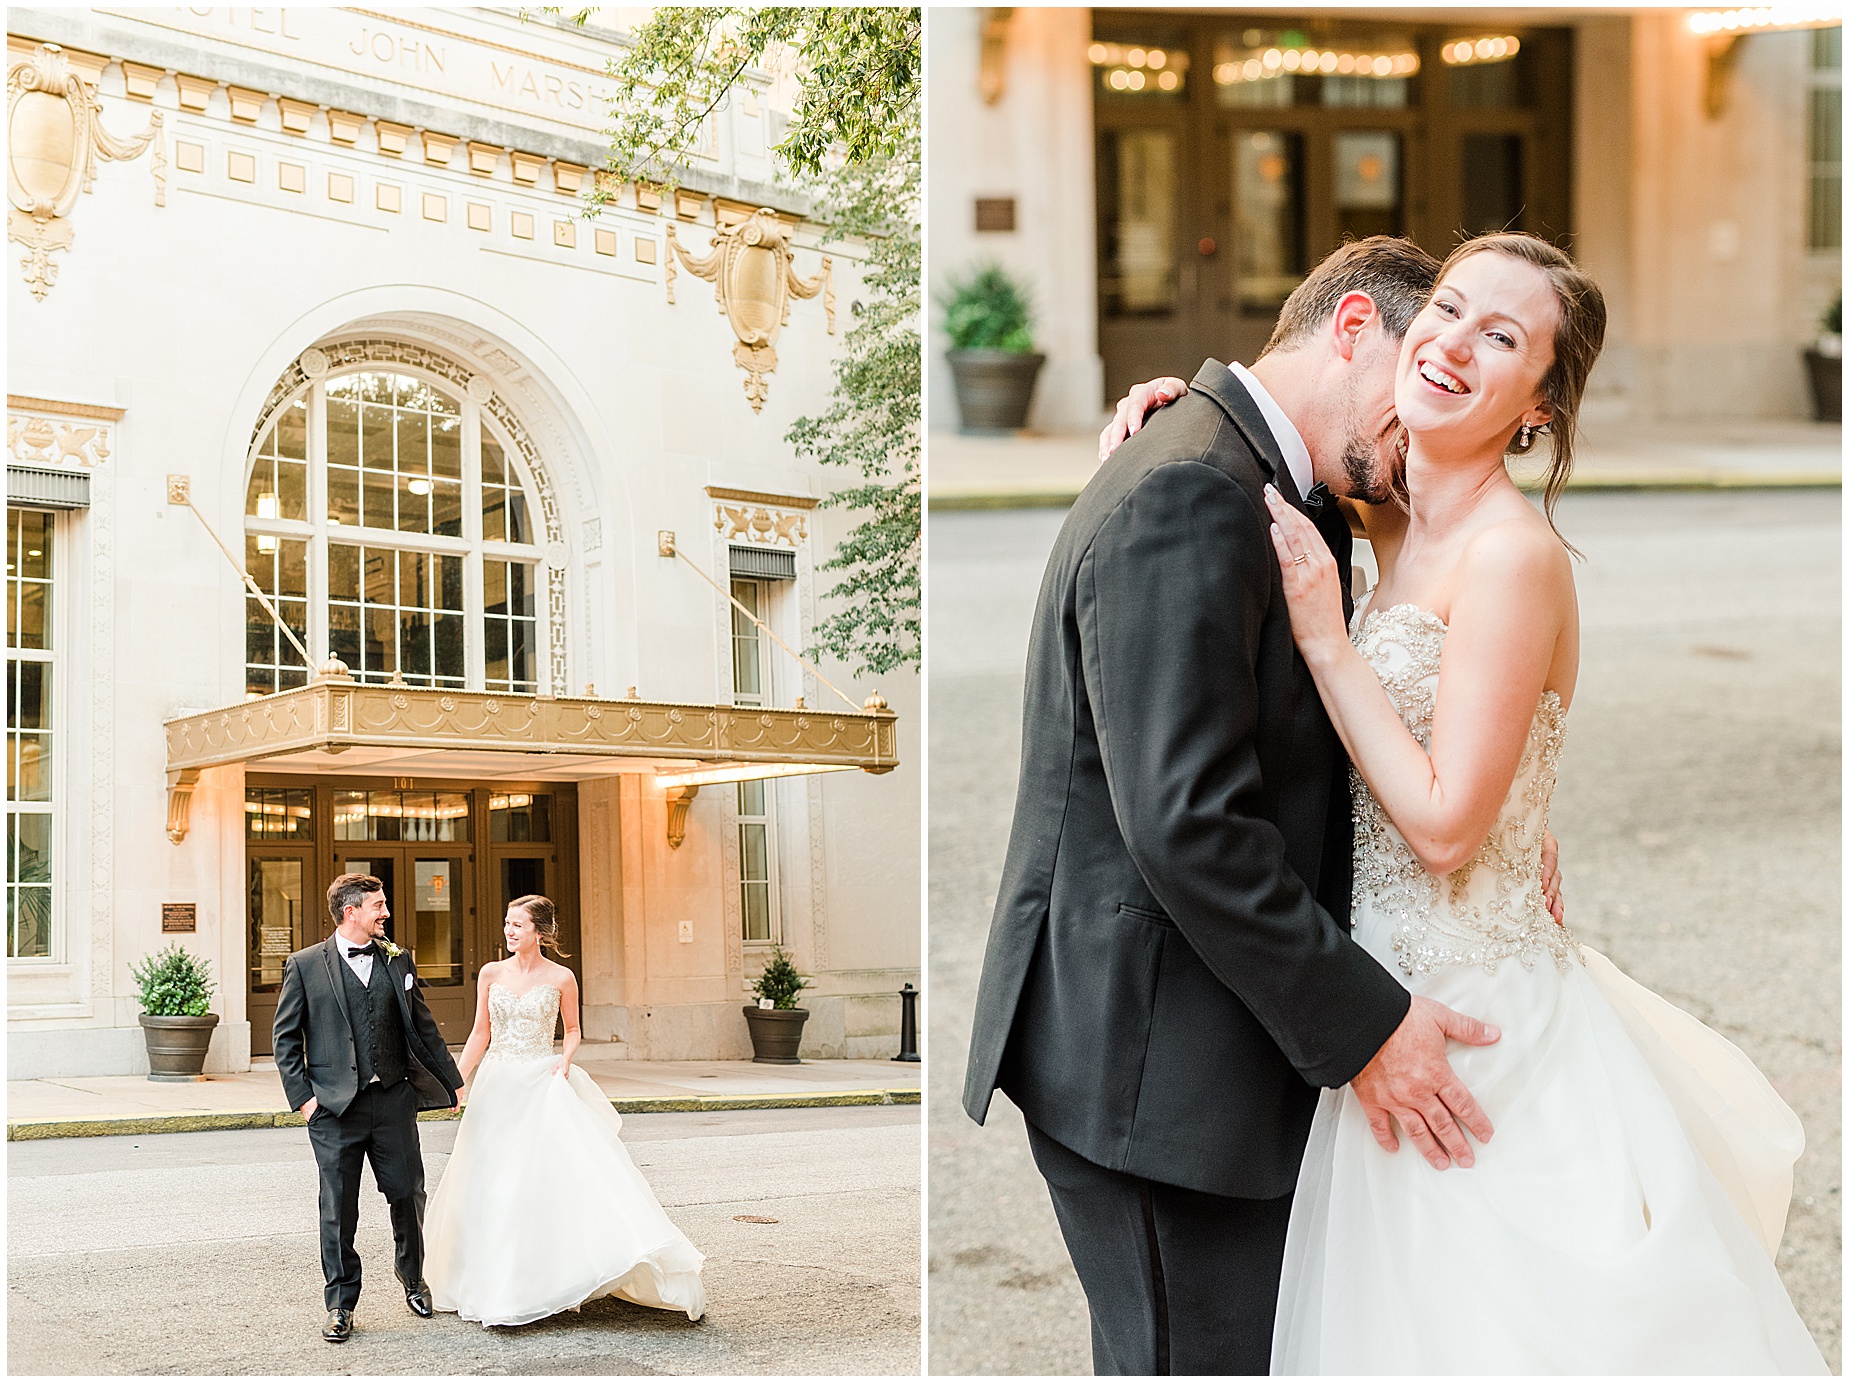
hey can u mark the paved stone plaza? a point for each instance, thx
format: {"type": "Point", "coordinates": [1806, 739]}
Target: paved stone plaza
{"type": "Point", "coordinates": [1698, 808]}
{"type": "Point", "coordinates": [196, 1253]}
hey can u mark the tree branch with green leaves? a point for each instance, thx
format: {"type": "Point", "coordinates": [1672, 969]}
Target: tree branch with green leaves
{"type": "Point", "coordinates": [853, 147]}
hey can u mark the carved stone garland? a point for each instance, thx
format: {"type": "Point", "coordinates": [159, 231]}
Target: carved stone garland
{"type": "Point", "coordinates": [319, 361]}
{"type": "Point", "coordinates": [55, 134]}
{"type": "Point", "coordinates": [753, 273]}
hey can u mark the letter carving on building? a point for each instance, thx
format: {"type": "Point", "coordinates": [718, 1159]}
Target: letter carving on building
{"type": "Point", "coordinates": [753, 274]}
{"type": "Point", "coordinates": [55, 135]}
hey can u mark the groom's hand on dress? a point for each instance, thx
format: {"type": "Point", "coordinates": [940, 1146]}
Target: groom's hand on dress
{"type": "Point", "coordinates": [1410, 1079]}
{"type": "Point", "coordinates": [1550, 877]}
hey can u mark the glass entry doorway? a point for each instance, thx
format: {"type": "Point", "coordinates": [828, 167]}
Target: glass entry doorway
{"type": "Point", "coordinates": [1234, 151]}
{"type": "Point", "coordinates": [452, 855]}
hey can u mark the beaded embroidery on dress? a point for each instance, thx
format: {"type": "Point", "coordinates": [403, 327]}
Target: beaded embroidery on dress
{"type": "Point", "coordinates": [520, 1028]}
{"type": "Point", "coordinates": [1491, 909]}
{"type": "Point", "coordinates": [1625, 1217]}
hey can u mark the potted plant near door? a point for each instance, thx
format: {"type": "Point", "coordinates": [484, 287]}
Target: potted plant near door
{"type": "Point", "coordinates": [1824, 362]}
{"type": "Point", "coordinates": [775, 1022]}
{"type": "Point", "coordinates": [992, 358]}
{"type": "Point", "coordinates": [176, 986]}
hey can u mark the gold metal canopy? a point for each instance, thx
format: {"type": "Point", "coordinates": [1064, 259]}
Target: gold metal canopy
{"type": "Point", "coordinates": [402, 728]}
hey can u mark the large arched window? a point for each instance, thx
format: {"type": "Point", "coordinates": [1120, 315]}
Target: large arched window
{"type": "Point", "coordinates": [388, 521]}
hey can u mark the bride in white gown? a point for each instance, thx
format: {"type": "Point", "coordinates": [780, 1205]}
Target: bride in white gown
{"type": "Point", "coordinates": [1624, 1215]}
{"type": "Point", "coordinates": [541, 1207]}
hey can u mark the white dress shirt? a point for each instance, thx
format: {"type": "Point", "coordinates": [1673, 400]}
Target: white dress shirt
{"type": "Point", "coordinates": [1283, 430]}
{"type": "Point", "coordinates": [359, 965]}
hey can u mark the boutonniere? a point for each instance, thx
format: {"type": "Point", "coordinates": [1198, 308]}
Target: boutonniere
{"type": "Point", "coordinates": [392, 951]}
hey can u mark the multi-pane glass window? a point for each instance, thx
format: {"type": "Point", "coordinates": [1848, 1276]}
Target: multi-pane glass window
{"type": "Point", "coordinates": [415, 816]}
{"type": "Point", "coordinates": [391, 611]}
{"type": "Point", "coordinates": [510, 625]}
{"type": "Point", "coordinates": [279, 814]}
{"type": "Point", "coordinates": [279, 566]}
{"type": "Point", "coordinates": [29, 731]}
{"type": "Point", "coordinates": [387, 520]}
{"type": "Point", "coordinates": [1826, 139]}
{"type": "Point", "coordinates": [754, 884]}
{"type": "Point", "coordinates": [756, 821]}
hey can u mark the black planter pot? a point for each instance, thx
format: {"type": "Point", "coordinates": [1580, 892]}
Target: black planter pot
{"type": "Point", "coordinates": [177, 1044]}
{"type": "Point", "coordinates": [994, 388]}
{"type": "Point", "coordinates": [1826, 386]}
{"type": "Point", "coordinates": [776, 1034]}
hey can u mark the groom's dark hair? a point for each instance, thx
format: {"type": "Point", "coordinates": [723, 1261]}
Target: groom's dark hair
{"type": "Point", "coordinates": [1395, 273]}
{"type": "Point", "coordinates": [349, 891]}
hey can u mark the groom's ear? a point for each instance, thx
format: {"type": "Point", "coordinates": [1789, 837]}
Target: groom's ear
{"type": "Point", "coordinates": [1353, 311]}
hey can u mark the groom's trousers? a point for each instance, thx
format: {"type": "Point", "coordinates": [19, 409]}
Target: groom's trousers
{"type": "Point", "coordinates": [380, 1126]}
{"type": "Point", "coordinates": [1178, 1281]}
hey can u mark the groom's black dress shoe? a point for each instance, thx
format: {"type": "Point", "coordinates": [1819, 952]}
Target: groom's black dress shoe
{"type": "Point", "coordinates": [417, 1297]}
{"type": "Point", "coordinates": [339, 1327]}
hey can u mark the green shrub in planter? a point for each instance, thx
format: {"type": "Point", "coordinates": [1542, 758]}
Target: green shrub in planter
{"type": "Point", "coordinates": [988, 311]}
{"type": "Point", "coordinates": [780, 983]}
{"type": "Point", "coordinates": [174, 982]}
{"type": "Point", "coordinates": [993, 363]}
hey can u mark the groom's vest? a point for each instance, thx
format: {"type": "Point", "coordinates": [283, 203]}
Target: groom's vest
{"type": "Point", "coordinates": [378, 1031]}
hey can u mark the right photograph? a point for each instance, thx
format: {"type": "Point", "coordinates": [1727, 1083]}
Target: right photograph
{"type": "Point", "coordinates": [1385, 895]}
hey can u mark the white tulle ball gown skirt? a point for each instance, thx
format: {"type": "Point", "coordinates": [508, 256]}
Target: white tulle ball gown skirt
{"type": "Point", "coordinates": [542, 1209]}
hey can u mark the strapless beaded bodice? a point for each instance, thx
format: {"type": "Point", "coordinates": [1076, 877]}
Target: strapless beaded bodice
{"type": "Point", "coordinates": [1491, 907]}
{"type": "Point", "coordinates": [520, 1025]}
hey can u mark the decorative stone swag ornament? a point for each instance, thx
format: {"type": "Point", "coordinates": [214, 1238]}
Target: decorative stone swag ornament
{"type": "Point", "coordinates": [753, 273]}
{"type": "Point", "coordinates": [55, 134]}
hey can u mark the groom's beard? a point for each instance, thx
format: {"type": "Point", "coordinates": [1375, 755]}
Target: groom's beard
{"type": "Point", "coordinates": [1369, 474]}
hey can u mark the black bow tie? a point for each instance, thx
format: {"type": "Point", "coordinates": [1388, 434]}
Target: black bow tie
{"type": "Point", "coordinates": [371, 948]}
{"type": "Point", "coordinates": [1318, 496]}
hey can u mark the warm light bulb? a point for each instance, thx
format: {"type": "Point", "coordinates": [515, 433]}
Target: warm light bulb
{"type": "Point", "coordinates": [267, 506]}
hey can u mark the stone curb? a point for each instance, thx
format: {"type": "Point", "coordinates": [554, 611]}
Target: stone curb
{"type": "Point", "coordinates": [1063, 496]}
{"type": "Point", "coordinates": [28, 1129]}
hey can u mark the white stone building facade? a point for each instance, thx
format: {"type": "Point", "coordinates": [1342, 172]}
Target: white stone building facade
{"type": "Point", "coordinates": [320, 282]}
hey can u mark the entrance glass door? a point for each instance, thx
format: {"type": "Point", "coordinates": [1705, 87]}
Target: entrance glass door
{"type": "Point", "coordinates": [416, 843]}
{"type": "Point", "coordinates": [1233, 152]}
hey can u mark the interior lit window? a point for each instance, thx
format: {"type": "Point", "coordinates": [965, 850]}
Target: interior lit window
{"type": "Point", "coordinates": [389, 524]}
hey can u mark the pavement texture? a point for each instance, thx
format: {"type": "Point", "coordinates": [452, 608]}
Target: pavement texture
{"type": "Point", "coordinates": [1698, 808]}
{"type": "Point", "coordinates": [91, 1106]}
{"type": "Point", "coordinates": [197, 1253]}
{"type": "Point", "coordinates": [1029, 469]}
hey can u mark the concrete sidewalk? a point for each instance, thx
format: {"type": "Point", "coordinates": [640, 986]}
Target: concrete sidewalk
{"type": "Point", "coordinates": [1049, 469]}
{"type": "Point", "coordinates": [79, 1107]}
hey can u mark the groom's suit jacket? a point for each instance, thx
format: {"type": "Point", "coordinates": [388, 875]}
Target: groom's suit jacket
{"type": "Point", "coordinates": [315, 1033]}
{"type": "Point", "coordinates": [1169, 973]}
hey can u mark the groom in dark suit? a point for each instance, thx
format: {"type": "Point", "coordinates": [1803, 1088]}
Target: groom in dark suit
{"type": "Point", "coordinates": [359, 1055]}
{"type": "Point", "coordinates": [1169, 975]}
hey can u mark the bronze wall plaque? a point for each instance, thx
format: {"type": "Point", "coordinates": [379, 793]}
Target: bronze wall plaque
{"type": "Point", "coordinates": [179, 917]}
{"type": "Point", "coordinates": [994, 213]}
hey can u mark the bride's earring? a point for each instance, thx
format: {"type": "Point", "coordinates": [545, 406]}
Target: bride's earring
{"type": "Point", "coordinates": [1527, 436]}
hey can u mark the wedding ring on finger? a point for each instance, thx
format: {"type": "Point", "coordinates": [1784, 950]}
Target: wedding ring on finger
{"type": "Point", "coordinates": [1301, 558]}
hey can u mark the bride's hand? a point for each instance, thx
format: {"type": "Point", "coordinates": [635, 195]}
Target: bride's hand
{"type": "Point", "coordinates": [1312, 583]}
{"type": "Point", "coordinates": [1134, 409]}
{"type": "Point", "coordinates": [561, 1066]}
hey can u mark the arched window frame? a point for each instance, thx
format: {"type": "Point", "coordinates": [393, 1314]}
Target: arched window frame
{"type": "Point", "coordinates": [318, 530]}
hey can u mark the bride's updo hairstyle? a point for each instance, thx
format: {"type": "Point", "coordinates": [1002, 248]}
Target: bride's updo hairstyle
{"type": "Point", "coordinates": [1578, 338]}
{"type": "Point", "coordinates": [543, 913]}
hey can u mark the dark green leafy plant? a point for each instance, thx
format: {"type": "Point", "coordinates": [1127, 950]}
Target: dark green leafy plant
{"type": "Point", "coordinates": [779, 983]}
{"type": "Point", "coordinates": [174, 982]}
{"type": "Point", "coordinates": [1833, 317]}
{"type": "Point", "coordinates": [853, 146]}
{"type": "Point", "coordinates": [987, 310]}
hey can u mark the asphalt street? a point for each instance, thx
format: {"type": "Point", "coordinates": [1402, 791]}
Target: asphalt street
{"type": "Point", "coordinates": [196, 1253]}
{"type": "Point", "coordinates": [1699, 811]}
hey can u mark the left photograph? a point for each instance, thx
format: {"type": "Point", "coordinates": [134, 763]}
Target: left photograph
{"type": "Point", "coordinates": [463, 715]}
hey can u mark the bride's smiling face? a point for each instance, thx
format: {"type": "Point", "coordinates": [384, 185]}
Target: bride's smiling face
{"type": "Point", "coordinates": [1474, 359]}
{"type": "Point", "coordinates": [519, 930]}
